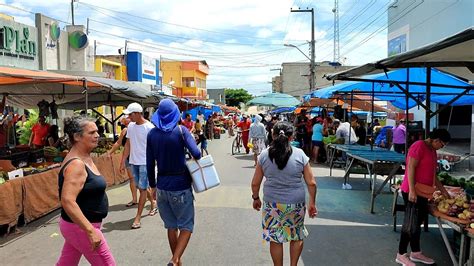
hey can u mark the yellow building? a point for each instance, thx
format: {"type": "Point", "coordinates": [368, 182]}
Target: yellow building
{"type": "Point", "coordinates": [112, 67]}
{"type": "Point", "coordinates": [188, 78]}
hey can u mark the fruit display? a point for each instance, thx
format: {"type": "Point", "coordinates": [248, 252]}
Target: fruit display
{"type": "Point", "coordinates": [458, 206]}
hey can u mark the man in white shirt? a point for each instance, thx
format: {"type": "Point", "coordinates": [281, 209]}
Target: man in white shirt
{"type": "Point", "coordinates": [200, 117]}
{"type": "Point", "coordinates": [135, 147]}
{"type": "Point", "coordinates": [343, 132]}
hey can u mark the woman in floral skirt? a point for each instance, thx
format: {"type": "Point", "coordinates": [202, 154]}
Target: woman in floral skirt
{"type": "Point", "coordinates": [285, 169]}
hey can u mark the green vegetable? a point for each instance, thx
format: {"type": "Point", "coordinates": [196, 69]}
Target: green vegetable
{"type": "Point", "coordinates": [25, 129]}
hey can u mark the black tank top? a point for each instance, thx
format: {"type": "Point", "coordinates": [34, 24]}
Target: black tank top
{"type": "Point", "coordinates": [92, 199]}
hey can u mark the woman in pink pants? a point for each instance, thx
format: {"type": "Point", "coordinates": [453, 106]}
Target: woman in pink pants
{"type": "Point", "coordinates": [83, 198]}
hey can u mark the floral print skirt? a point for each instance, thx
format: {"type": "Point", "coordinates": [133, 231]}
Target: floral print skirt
{"type": "Point", "coordinates": [283, 222]}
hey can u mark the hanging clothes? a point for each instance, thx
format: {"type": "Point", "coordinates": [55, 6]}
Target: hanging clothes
{"type": "Point", "coordinates": [54, 109]}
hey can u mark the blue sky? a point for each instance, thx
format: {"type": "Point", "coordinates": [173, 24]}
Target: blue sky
{"type": "Point", "coordinates": [240, 40]}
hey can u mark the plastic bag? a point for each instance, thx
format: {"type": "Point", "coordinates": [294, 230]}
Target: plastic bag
{"type": "Point", "coordinates": [410, 223]}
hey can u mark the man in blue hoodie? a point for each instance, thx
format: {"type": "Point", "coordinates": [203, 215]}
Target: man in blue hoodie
{"type": "Point", "coordinates": [166, 145]}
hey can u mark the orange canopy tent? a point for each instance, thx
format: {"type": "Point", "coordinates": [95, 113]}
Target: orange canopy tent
{"type": "Point", "coordinates": [25, 88]}
{"type": "Point", "coordinates": [359, 103]}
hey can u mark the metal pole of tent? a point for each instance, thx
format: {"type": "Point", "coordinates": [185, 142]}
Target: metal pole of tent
{"type": "Point", "coordinates": [87, 95]}
{"type": "Point", "coordinates": [114, 129]}
{"type": "Point", "coordinates": [350, 126]}
{"type": "Point", "coordinates": [428, 102]}
{"type": "Point", "coordinates": [407, 121]}
{"type": "Point", "coordinates": [372, 117]}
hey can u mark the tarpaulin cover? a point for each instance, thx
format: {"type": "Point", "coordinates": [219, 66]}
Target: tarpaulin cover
{"type": "Point", "coordinates": [274, 99]}
{"type": "Point", "coordinates": [206, 111]}
{"type": "Point", "coordinates": [389, 92]}
{"type": "Point", "coordinates": [283, 110]}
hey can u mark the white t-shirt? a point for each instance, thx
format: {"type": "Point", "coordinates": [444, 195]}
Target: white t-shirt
{"type": "Point", "coordinates": [137, 134]}
{"type": "Point", "coordinates": [343, 132]}
{"type": "Point", "coordinates": [201, 119]}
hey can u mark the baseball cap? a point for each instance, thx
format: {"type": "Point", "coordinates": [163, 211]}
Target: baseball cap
{"type": "Point", "coordinates": [336, 121]}
{"type": "Point", "coordinates": [133, 108]}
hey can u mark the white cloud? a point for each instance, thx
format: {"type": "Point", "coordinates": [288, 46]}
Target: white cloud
{"type": "Point", "coordinates": [264, 33]}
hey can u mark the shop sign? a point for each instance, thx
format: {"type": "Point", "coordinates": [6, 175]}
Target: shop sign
{"type": "Point", "coordinates": [143, 68]}
{"type": "Point", "coordinates": [17, 43]}
{"type": "Point", "coordinates": [149, 70]}
{"type": "Point", "coordinates": [78, 40]}
{"type": "Point", "coordinates": [52, 35]}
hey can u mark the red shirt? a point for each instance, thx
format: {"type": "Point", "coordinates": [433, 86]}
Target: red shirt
{"type": "Point", "coordinates": [40, 131]}
{"type": "Point", "coordinates": [244, 126]}
{"type": "Point", "coordinates": [426, 168]}
{"type": "Point", "coordinates": [188, 124]}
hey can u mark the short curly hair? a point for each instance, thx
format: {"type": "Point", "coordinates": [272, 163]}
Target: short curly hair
{"type": "Point", "coordinates": [75, 125]}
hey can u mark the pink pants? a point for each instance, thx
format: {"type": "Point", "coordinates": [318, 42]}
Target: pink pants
{"type": "Point", "coordinates": [76, 244]}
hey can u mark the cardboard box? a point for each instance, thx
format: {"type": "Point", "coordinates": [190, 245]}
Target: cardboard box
{"type": "Point", "coordinates": [15, 174]}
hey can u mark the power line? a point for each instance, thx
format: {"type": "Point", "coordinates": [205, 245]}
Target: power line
{"type": "Point", "coordinates": [94, 7]}
{"type": "Point", "coordinates": [165, 50]}
{"type": "Point", "coordinates": [383, 28]}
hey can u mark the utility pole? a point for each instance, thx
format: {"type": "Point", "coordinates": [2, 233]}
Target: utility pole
{"type": "Point", "coordinates": [312, 82]}
{"type": "Point", "coordinates": [72, 11]}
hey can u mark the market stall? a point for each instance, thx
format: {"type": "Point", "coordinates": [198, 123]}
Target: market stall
{"type": "Point", "coordinates": [36, 195]}
{"type": "Point", "coordinates": [32, 189]}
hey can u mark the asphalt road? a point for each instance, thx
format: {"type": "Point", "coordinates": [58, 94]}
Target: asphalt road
{"type": "Point", "coordinates": [228, 230]}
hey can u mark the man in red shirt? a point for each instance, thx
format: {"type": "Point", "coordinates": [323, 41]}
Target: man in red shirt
{"type": "Point", "coordinates": [244, 125]}
{"type": "Point", "coordinates": [188, 123]}
{"type": "Point", "coordinates": [38, 133]}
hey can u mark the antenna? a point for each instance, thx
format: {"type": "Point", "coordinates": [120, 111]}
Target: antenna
{"type": "Point", "coordinates": [335, 10]}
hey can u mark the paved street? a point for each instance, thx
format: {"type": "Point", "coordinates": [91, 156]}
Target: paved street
{"type": "Point", "coordinates": [228, 230]}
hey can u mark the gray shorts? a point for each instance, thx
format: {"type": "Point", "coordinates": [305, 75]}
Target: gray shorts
{"type": "Point", "coordinates": [176, 209]}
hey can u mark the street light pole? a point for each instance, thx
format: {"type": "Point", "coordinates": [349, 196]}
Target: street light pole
{"type": "Point", "coordinates": [312, 82]}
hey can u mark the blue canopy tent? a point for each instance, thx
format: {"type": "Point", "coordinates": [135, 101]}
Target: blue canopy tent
{"type": "Point", "coordinates": [392, 86]}
{"type": "Point", "coordinates": [205, 110]}
{"type": "Point", "coordinates": [451, 55]}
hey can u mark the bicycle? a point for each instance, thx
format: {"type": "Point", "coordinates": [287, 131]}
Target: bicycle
{"type": "Point", "coordinates": [237, 143]}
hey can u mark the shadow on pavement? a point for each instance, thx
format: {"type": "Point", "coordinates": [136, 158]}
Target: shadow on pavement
{"type": "Point", "coordinates": [363, 245]}
{"type": "Point", "coordinates": [18, 232]}
{"type": "Point", "coordinates": [244, 157]}
{"type": "Point", "coordinates": [120, 225]}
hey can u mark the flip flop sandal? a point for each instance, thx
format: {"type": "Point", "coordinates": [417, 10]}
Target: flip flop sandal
{"type": "Point", "coordinates": [131, 203]}
{"type": "Point", "coordinates": [153, 212]}
{"type": "Point", "coordinates": [136, 225]}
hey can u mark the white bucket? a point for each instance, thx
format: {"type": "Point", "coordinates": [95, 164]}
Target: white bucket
{"type": "Point", "coordinates": [204, 173]}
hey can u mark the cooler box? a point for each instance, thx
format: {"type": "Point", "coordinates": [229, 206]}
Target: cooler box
{"type": "Point", "coordinates": [209, 180]}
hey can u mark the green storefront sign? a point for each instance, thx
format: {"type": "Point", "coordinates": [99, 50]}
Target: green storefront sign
{"type": "Point", "coordinates": [17, 43]}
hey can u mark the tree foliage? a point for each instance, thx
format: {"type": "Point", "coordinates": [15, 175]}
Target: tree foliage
{"type": "Point", "coordinates": [235, 96]}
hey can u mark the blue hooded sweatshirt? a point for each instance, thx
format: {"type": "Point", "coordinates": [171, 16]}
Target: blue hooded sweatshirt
{"type": "Point", "coordinates": [166, 145]}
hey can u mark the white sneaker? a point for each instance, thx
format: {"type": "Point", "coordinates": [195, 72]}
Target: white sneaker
{"type": "Point", "coordinates": [348, 186]}
{"type": "Point", "coordinates": [343, 186]}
